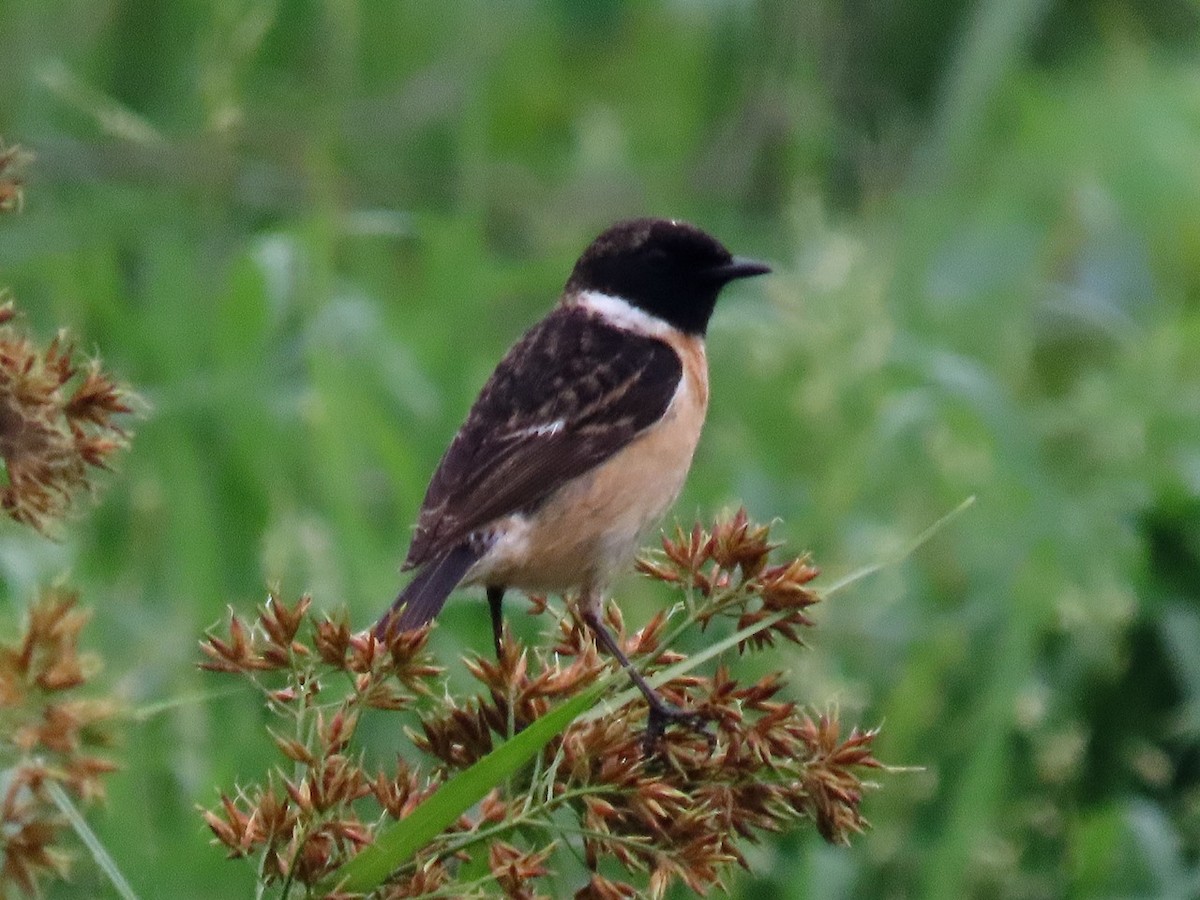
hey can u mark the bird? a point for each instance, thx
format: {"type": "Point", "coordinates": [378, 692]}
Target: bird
{"type": "Point", "coordinates": [580, 440]}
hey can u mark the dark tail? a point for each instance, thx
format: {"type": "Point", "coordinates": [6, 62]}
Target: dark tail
{"type": "Point", "coordinates": [424, 596]}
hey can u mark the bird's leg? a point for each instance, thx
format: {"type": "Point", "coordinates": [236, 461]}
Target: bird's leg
{"type": "Point", "coordinates": [662, 713]}
{"type": "Point", "coordinates": [495, 597]}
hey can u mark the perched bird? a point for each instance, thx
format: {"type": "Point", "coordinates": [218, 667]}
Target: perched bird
{"type": "Point", "coordinates": [581, 439]}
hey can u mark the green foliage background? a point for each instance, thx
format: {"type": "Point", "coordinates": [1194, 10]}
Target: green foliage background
{"type": "Point", "coordinates": [306, 230]}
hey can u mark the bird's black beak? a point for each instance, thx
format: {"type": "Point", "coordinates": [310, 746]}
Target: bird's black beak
{"type": "Point", "coordinates": [739, 267]}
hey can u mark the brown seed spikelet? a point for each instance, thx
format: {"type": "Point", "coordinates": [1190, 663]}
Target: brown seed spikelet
{"type": "Point", "coordinates": [58, 421]}
{"type": "Point", "coordinates": [50, 735]}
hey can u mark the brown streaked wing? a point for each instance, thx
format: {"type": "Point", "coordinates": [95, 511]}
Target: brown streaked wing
{"type": "Point", "coordinates": [568, 395]}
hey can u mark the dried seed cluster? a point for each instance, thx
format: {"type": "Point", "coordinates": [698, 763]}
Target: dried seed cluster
{"type": "Point", "coordinates": [726, 573]}
{"type": "Point", "coordinates": [591, 796]}
{"type": "Point", "coordinates": [304, 822]}
{"type": "Point", "coordinates": [56, 423]}
{"type": "Point", "coordinates": [48, 734]}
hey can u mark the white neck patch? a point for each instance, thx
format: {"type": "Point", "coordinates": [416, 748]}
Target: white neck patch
{"type": "Point", "coordinates": [622, 314]}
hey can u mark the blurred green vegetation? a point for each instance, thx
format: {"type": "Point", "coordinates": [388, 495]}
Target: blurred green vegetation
{"type": "Point", "coordinates": [306, 230]}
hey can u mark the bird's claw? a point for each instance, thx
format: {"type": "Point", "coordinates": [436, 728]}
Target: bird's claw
{"type": "Point", "coordinates": [664, 714]}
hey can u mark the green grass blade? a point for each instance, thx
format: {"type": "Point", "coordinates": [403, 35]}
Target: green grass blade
{"type": "Point", "coordinates": [106, 863]}
{"type": "Point", "coordinates": [148, 711]}
{"type": "Point", "coordinates": [397, 844]}
{"type": "Point", "coordinates": [908, 550]}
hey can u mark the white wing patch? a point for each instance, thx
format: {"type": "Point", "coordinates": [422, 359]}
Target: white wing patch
{"type": "Point", "coordinates": [545, 429]}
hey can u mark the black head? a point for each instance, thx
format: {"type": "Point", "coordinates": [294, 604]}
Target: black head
{"type": "Point", "coordinates": [667, 268]}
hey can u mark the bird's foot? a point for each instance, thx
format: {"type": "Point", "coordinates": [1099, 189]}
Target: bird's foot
{"type": "Point", "coordinates": [663, 714]}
